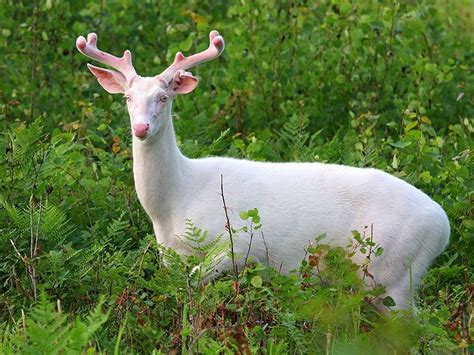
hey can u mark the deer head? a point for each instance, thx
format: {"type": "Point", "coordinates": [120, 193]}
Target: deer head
{"type": "Point", "coordinates": [148, 98]}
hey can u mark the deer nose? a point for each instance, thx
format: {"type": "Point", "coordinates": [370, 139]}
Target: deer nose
{"type": "Point", "coordinates": [141, 129]}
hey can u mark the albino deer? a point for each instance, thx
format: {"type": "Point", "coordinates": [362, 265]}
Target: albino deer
{"type": "Point", "coordinates": [296, 201]}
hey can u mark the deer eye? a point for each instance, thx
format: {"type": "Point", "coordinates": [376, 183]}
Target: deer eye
{"type": "Point", "coordinates": [127, 97]}
{"type": "Point", "coordinates": [163, 98]}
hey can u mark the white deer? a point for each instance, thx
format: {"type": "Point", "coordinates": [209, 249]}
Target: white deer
{"type": "Point", "coordinates": [296, 201]}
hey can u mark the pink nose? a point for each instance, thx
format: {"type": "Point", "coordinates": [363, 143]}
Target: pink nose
{"type": "Point", "coordinates": [141, 129]}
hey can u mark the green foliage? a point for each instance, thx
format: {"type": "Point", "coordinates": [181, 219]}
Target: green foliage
{"type": "Point", "coordinates": [196, 238]}
{"type": "Point", "coordinates": [209, 253]}
{"type": "Point", "coordinates": [45, 218]}
{"type": "Point", "coordinates": [47, 331]}
{"type": "Point", "coordinates": [380, 84]}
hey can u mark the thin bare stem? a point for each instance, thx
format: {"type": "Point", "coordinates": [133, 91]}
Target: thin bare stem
{"type": "Point", "coordinates": [250, 246]}
{"type": "Point", "coordinates": [229, 228]}
{"type": "Point", "coordinates": [266, 249]}
{"type": "Point", "coordinates": [32, 233]}
{"type": "Point", "coordinates": [140, 266]}
{"type": "Point", "coordinates": [40, 213]}
{"type": "Point", "coordinates": [22, 258]}
{"type": "Point", "coordinates": [28, 267]}
{"type": "Point", "coordinates": [23, 323]}
{"type": "Point", "coordinates": [371, 240]}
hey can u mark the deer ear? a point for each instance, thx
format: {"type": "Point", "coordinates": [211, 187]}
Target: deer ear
{"type": "Point", "coordinates": [183, 82]}
{"type": "Point", "coordinates": [112, 81]}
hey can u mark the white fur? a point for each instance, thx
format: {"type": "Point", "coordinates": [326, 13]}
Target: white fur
{"type": "Point", "coordinates": [297, 202]}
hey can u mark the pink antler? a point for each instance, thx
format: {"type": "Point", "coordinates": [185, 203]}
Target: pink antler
{"type": "Point", "coordinates": [216, 47]}
{"type": "Point", "coordinates": [89, 49]}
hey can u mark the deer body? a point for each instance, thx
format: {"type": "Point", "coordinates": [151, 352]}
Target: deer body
{"type": "Point", "coordinates": [297, 201]}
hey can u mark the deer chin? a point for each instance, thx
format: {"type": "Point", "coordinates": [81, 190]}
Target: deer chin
{"type": "Point", "coordinates": [143, 138]}
{"type": "Point", "coordinates": [140, 138]}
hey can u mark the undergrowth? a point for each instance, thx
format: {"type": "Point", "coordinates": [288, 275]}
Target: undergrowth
{"type": "Point", "coordinates": [164, 306]}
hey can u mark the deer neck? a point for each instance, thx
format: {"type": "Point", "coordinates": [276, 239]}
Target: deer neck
{"type": "Point", "coordinates": [159, 169]}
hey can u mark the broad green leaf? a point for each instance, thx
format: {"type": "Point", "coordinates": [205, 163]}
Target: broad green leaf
{"type": "Point", "coordinates": [256, 281]}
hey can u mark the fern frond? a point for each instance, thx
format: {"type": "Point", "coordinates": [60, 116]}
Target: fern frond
{"type": "Point", "coordinates": [45, 329]}
{"type": "Point", "coordinates": [195, 238]}
{"type": "Point", "coordinates": [118, 228]}
{"type": "Point", "coordinates": [54, 223]}
{"type": "Point", "coordinates": [25, 140]}
{"type": "Point", "coordinates": [49, 332]}
{"type": "Point", "coordinates": [287, 324]}
{"type": "Point", "coordinates": [17, 217]}
{"type": "Point", "coordinates": [214, 256]}
{"type": "Point", "coordinates": [82, 332]}
{"type": "Point", "coordinates": [296, 137]}
{"type": "Point", "coordinates": [172, 259]}
{"type": "Point", "coordinates": [54, 227]}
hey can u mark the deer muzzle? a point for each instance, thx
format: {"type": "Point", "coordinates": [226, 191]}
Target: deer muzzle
{"type": "Point", "coordinates": [141, 129]}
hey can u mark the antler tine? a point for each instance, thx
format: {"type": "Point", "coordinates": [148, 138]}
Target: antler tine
{"type": "Point", "coordinates": [216, 47]}
{"type": "Point", "coordinates": [89, 49]}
